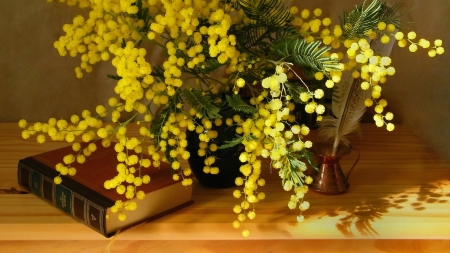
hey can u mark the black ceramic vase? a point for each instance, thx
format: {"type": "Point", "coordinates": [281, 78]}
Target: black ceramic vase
{"type": "Point", "coordinates": [227, 160]}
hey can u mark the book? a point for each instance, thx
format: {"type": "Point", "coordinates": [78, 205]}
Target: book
{"type": "Point", "coordinates": [84, 197]}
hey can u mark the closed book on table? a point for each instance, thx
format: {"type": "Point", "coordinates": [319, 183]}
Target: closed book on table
{"type": "Point", "coordinates": [84, 197]}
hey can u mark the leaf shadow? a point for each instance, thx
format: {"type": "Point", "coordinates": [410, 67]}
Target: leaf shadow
{"type": "Point", "coordinates": [360, 218]}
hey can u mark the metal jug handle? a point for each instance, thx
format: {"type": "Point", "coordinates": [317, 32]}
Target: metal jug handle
{"type": "Point", "coordinates": [354, 164]}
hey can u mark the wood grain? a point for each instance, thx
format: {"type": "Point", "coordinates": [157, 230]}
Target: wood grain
{"type": "Point", "coordinates": [398, 201]}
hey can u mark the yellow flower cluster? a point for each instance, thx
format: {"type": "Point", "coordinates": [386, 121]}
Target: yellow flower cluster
{"type": "Point", "coordinates": [61, 130]}
{"type": "Point", "coordinates": [207, 144]}
{"type": "Point", "coordinates": [385, 31]}
{"type": "Point", "coordinates": [275, 85]}
{"type": "Point", "coordinates": [119, 206]}
{"type": "Point", "coordinates": [271, 133]}
{"type": "Point", "coordinates": [173, 142]}
{"type": "Point", "coordinates": [111, 29]}
{"type": "Point", "coordinates": [135, 72]}
{"type": "Point", "coordinates": [310, 25]}
{"type": "Point", "coordinates": [372, 71]}
{"type": "Point", "coordinates": [362, 61]}
{"type": "Point", "coordinates": [199, 37]}
{"type": "Point", "coordinates": [181, 19]}
{"type": "Point", "coordinates": [403, 41]}
{"type": "Point", "coordinates": [364, 64]}
{"type": "Point", "coordinates": [92, 37]}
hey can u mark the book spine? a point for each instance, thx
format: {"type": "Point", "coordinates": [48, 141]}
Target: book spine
{"type": "Point", "coordinates": [82, 209]}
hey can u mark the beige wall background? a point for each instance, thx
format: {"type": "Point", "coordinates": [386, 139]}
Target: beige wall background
{"type": "Point", "coordinates": [36, 83]}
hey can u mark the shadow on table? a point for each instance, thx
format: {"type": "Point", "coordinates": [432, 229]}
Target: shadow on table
{"type": "Point", "coordinates": [363, 215]}
{"type": "Point", "coordinates": [12, 190]}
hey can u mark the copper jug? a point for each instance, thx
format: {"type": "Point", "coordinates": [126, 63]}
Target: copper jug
{"type": "Point", "coordinates": [329, 177]}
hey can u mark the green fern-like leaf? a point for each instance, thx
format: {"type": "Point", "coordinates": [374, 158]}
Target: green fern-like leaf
{"type": "Point", "coordinates": [162, 117]}
{"type": "Point", "coordinates": [296, 167]}
{"type": "Point", "coordinates": [143, 14]}
{"type": "Point", "coordinates": [269, 25]}
{"type": "Point", "coordinates": [268, 12]}
{"type": "Point", "coordinates": [260, 38]}
{"type": "Point", "coordinates": [286, 32]}
{"type": "Point", "coordinates": [391, 15]}
{"type": "Point", "coordinates": [209, 66]}
{"type": "Point", "coordinates": [115, 77]}
{"type": "Point", "coordinates": [302, 53]}
{"type": "Point", "coordinates": [201, 103]}
{"type": "Point", "coordinates": [235, 141]}
{"type": "Point", "coordinates": [158, 73]}
{"type": "Point", "coordinates": [295, 90]}
{"type": "Point", "coordinates": [239, 105]}
{"type": "Point", "coordinates": [255, 38]}
{"type": "Point", "coordinates": [296, 164]}
{"type": "Point", "coordinates": [159, 122]}
{"type": "Point", "coordinates": [251, 75]}
{"type": "Point", "coordinates": [356, 23]}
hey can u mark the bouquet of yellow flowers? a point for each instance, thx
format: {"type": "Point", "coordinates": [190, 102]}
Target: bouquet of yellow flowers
{"type": "Point", "coordinates": [241, 64]}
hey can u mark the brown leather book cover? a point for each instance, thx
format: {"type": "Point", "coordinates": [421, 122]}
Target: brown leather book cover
{"type": "Point", "coordinates": [101, 166]}
{"type": "Point", "coordinates": [84, 197]}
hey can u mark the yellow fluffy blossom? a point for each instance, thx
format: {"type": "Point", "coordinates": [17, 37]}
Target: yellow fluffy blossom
{"type": "Point", "coordinates": [189, 65]}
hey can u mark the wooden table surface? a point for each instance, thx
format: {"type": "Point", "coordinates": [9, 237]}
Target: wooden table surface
{"type": "Point", "coordinates": [398, 201]}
